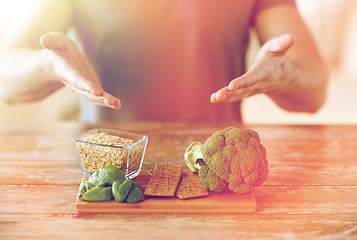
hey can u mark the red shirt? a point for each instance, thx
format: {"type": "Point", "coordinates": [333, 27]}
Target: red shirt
{"type": "Point", "coordinates": [164, 58]}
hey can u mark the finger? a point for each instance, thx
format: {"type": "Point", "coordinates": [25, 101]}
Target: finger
{"type": "Point", "coordinates": [213, 98]}
{"type": "Point", "coordinates": [74, 81]}
{"type": "Point", "coordinates": [234, 84]}
{"type": "Point", "coordinates": [88, 86]}
{"type": "Point", "coordinates": [111, 101]}
{"type": "Point", "coordinates": [57, 41]}
{"type": "Point", "coordinates": [238, 95]}
{"type": "Point", "coordinates": [280, 45]}
{"type": "Point", "coordinates": [246, 80]}
{"type": "Point", "coordinates": [235, 87]}
{"type": "Point", "coordinates": [105, 99]}
{"type": "Point", "coordinates": [219, 96]}
{"type": "Point", "coordinates": [228, 98]}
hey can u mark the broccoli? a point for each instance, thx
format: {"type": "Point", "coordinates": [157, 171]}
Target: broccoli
{"type": "Point", "coordinates": [231, 158]}
{"type": "Point", "coordinates": [193, 152]}
{"type": "Point", "coordinates": [210, 181]}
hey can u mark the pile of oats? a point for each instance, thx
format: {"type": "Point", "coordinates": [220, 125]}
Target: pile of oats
{"type": "Point", "coordinates": [94, 156]}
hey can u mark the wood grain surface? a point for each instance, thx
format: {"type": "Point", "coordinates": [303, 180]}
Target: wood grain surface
{"type": "Point", "coordinates": [311, 191]}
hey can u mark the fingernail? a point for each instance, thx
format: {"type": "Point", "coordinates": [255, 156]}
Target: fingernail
{"type": "Point", "coordinates": [114, 105]}
{"type": "Point", "coordinates": [232, 87]}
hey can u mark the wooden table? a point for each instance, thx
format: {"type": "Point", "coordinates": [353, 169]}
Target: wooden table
{"type": "Point", "coordinates": [311, 192]}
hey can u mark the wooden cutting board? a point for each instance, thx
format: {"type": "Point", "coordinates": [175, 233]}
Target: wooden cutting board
{"type": "Point", "coordinates": [226, 202]}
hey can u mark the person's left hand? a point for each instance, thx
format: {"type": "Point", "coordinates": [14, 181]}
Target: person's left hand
{"type": "Point", "coordinates": [265, 75]}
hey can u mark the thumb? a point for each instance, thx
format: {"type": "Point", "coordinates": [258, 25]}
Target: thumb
{"type": "Point", "coordinates": [279, 45]}
{"type": "Point", "coordinates": [57, 41]}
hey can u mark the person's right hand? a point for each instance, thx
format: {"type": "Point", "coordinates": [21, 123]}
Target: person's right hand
{"type": "Point", "coordinates": [75, 71]}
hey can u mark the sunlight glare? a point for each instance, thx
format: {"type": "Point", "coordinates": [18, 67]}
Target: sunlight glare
{"type": "Point", "coordinates": [10, 9]}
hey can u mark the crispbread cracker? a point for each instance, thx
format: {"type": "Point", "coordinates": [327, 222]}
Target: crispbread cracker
{"type": "Point", "coordinates": [164, 180]}
{"type": "Point", "coordinates": [188, 189]}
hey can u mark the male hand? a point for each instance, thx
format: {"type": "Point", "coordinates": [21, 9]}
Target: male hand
{"type": "Point", "coordinates": [75, 71]}
{"type": "Point", "coordinates": [264, 76]}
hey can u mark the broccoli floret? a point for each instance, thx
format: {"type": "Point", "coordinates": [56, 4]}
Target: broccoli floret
{"type": "Point", "coordinates": [232, 158]}
{"type": "Point", "coordinates": [211, 181]}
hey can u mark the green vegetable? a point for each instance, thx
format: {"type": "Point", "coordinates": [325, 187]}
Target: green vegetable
{"type": "Point", "coordinates": [231, 158]}
{"type": "Point", "coordinates": [106, 176]}
{"type": "Point", "coordinates": [211, 181]}
{"type": "Point", "coordinates": [193, 152]}
{"type": "Point", "coordinates": [98, 194]}
{"type": "Point", "coordinates": [121, 189]}
{"type": "Point", "coordinates": [84, 187]}
{"type": "Point", "coordinates": [108, 182]}
{"type": "Point", "coordinates": [135, 195]}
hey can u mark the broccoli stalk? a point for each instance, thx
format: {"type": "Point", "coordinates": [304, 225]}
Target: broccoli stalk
{"type": "Point", "coordinates": [192, 153]}
{"type": "Point", "coordinates": [231, 158]}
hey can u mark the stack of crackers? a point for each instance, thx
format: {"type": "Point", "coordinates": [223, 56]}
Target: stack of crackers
{"type": "Point", "coordinates": [168, 180]}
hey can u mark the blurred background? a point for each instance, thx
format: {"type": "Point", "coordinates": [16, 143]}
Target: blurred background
{"type": "Point", "coordinates": [334, 26]}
